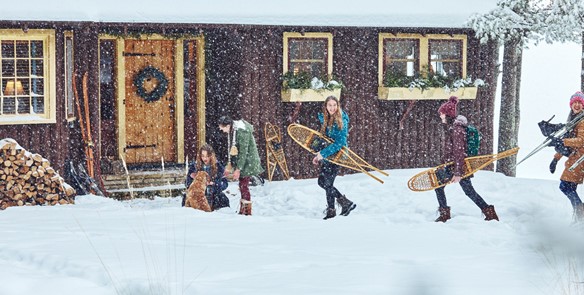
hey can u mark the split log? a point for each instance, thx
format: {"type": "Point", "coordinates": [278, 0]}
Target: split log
{"type": "Point", "coordinates": [28, 179]}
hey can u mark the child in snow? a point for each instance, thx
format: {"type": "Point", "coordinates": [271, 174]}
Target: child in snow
{"type": "Point", "coordinates": [243, 155]}
{"type": "Point", "coordinates": [575, 140]}
{"type": "Point", "coordinates": [206, 161]}
{"type": "Point", "coordinates": [454, 150]}
{"type": "Point", "coordinates": [334, 124]}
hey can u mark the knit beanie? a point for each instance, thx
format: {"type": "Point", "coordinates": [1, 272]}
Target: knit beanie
{"type": "Point", "coordinates": [449, 108]}
{"type": "Point", "coordinates": [578, 96]}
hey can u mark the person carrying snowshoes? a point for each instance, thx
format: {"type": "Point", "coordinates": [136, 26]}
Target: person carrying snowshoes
{"type": "Point", "coordinates": [334, 124]}
{"type": "Point", "coordinates": [454, 149]}
{"type": "Point", "coordinates": [573, 147]}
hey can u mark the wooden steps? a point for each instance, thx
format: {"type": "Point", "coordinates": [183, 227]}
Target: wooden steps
{"type": "Point", "coordinates": [145, 184]}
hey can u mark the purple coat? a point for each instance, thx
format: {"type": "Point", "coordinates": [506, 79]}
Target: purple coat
{"type": "Point", "coordinates": [454, 146]}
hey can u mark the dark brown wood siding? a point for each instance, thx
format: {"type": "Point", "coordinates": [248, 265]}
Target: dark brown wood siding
{"type": "Point", "coordinates": [243, 67]}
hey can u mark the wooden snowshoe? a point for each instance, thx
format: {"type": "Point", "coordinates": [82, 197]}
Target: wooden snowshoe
{"type": "Point", "coordinates": [440, 176]}
{"type": "Point", "coordinates": [274, 151]}
{"type": "Point", "coordinates": [314, 141]}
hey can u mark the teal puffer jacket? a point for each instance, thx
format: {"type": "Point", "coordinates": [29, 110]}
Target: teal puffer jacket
{"type": "Point", "coordinates": [339, 136]}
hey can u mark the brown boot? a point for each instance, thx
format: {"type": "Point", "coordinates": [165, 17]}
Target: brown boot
{"type": "Point", "coordinates": [444, 214]}
{"type": "Point", "coordinates": [244, 207]}
{"type": "Point", "coordinates": [330, 213]}
{"type": "Point", "coordinates": [490, 213]}
{"type": "Point", "coordinates": [346, 205]}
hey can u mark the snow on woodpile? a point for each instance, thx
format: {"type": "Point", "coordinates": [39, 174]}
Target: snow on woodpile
{"type": "Point", "coordinates": [28, 179]}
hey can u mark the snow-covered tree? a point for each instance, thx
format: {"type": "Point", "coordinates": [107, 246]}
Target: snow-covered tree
{"type": "Point", "coordinates": [515, 24]}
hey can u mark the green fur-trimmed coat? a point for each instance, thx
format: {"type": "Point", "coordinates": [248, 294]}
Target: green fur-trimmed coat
{"type": "Point", "coordinates": [248, 158]}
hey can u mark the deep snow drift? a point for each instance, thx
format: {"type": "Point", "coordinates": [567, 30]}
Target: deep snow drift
{"type": "Point", "coordinates": [388, 245]}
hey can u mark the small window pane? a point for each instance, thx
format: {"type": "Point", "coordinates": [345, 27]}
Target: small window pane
{"type": "Point", "coordinates": [36, 49]}
{"type": "Point", "coordinates": [24, 105]}
{"type": "Point", "coordinates": [38, 104]}
{"type": "Point", "coordinates": [8, 68]}
{"type": "Point", "coordinates": [22, 68]}
{"type": "Point", "coordinates": [7, 49]}
{"type": "Point", "coordinates": [22, 49]}
{"type": "Point", "coordinates": [36, 67]}
{"type": "Point", "coordinates": [37, 87]}
{"type": "Point", "coordinates": [9, 105]}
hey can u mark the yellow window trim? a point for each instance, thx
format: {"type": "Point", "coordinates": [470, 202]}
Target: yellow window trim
{"type": "Point", "coordinates": [424, 41]}
{"type": "Point", "coordinates": [313, 35]}
{"type": "Point", "coordinates": [49, 53]}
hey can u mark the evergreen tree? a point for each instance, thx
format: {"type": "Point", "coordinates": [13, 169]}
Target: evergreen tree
{"type": "Point", "coordinates": [515, 24]}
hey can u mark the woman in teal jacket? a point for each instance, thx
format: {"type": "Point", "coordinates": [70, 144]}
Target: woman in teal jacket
{"type": "Point", "coordinates": [335, 124]}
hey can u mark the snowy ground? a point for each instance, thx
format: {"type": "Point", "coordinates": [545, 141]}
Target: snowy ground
{"type": "Point", "coordinates": [388, 245]}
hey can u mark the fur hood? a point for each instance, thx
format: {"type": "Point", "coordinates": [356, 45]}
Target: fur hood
{"type": "Point", "coordinates": [461, 120]}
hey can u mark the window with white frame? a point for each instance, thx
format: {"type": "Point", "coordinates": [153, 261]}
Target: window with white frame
{"type": "Point", "coordinates": [27, 63]}
{"type": "Point", "coordinates": [411, 55]}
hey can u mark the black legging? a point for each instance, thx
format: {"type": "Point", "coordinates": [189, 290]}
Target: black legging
{"type": "Point", "coordinates": [468, 189]}
{"type": "Point", "coordinates": [326, 179]}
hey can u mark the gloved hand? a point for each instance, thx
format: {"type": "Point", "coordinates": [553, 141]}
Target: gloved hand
{"type": "Point", "coordinates": [556, 142]}
{"type": "Point", "coordinates": [553, 165]}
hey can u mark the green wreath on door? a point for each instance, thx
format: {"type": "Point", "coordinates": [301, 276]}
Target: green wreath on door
{"type": "Point", "coordinates": [146, 74]}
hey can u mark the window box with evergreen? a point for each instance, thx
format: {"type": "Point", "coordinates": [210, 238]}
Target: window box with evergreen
{"type": "Point", "coordinates": [301, 87]}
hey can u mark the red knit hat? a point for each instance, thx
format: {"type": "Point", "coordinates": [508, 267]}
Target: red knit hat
{"type": "Point", "coordinates": [449, 108]}
{"type": "Point", "coordinates": [578, 96]}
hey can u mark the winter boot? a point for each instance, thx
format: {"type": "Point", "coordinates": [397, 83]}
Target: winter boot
{"type": "Point", "coordinates": [490, 213]}
{"type": "Point", "coordinates": [330, 213]}
{"type": "Point", "coordinates": [444, 214]}
{"type": "Point", "coordinates": [346, 205]}
{"type": "Point", "coordinates": [244, 207]}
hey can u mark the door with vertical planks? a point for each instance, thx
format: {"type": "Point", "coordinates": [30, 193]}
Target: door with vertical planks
{"type": "Point", "coordinates": [150, 110]}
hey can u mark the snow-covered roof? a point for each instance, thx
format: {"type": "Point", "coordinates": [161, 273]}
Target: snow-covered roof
{"type": "Point", "coordinates": [363, 13]}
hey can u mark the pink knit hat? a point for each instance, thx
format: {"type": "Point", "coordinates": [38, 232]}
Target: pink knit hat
{"type": "Point", "coordinates": [449, 108]}
{"type": "Point", "coordinates": [578, 96]}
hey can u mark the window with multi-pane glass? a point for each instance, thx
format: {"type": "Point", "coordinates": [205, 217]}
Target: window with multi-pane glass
{"type": "Point", "coordinates": [401, 56]}
{"type": "Point", "coordinates": [308, 55]}
{"type": "Point", "coordinates": [446, 57]}
{"type": "Point", "coordinates": [23, 77]}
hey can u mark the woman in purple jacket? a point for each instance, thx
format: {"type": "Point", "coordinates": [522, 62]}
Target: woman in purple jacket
{"type": "Point", "coordinates": [454, 150]}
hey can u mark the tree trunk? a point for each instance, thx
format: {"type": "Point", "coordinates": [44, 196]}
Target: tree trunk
{"type": "Point", "coordinates": [582, 71]}
{"type": "Point", "coordinates": [509, 113]}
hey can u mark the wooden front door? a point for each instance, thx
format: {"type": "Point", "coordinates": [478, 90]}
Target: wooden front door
{"type": "Point", "coordinates": [150, 112]}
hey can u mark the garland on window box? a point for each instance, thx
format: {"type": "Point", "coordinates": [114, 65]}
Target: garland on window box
{"type": "Point", "coordinates": [428, 79]}
{"type": "Point", "coordinates": [303, 80]}
{"type": "Point", "coordinates": [148, 73]}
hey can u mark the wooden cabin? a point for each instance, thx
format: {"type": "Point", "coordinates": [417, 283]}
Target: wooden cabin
{"type": "Point", "coordinates": [155, 89]}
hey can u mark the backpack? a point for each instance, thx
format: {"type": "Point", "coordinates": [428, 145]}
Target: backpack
{"type": "Point", "coordinates": [473, 140]}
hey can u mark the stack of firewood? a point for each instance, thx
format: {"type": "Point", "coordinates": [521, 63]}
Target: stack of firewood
{"type": "Point", "coordinates": [28, 179]}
